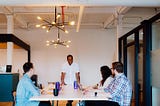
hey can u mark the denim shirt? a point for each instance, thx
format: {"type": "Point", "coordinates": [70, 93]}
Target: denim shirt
{"type": "Point", "coordinates": [25, 90]}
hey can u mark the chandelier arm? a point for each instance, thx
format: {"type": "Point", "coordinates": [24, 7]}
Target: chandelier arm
{"type": "Point", "coordinates": [55, 15]}
{"type": "Point", "coordinates": [59, 24]}
{"type": "Point", "coordinates": [47, 22]}
{"type": "Point", "coordinates": [60, 28]}
{"type": "Point", "coordinates": [66, 23]}
{"type": "Point", "coordinates": [49, 28]}
{"type": "Point", "coordinates": [58, 35]}
{"type": "Point", "coordinates": [62, 14]}
{"type": "Point", "coordinates": [62, 44]}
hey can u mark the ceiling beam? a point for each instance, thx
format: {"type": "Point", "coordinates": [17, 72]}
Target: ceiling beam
{"type": "Point", "coordinates": [81, 2]}
{"type": "Point", "coordinates": [81, 10]}
{"type": "Point", "coordinates": [109, 21]}
{"type": "Point", "coordinates": [123, 10]}
{"type": "Point", "coordinates": [119, 10]}
{"type": "Point", "coordinates": [21, 21]}
{"type": "Point", "coordinates": [73, 9]}
{"type": "Point", "coordinates": [7, 10]}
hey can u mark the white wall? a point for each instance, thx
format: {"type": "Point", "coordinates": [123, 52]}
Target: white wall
{"type": "Point", "coordinates": [91, 49]}
{"type": "Point", "coordinates": [18, 58]}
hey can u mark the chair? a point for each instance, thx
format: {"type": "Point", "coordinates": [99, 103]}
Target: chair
{"type": "Point", "coordinates": [14, 97]}
{"type": "Point", "coordinates": [34, 79]}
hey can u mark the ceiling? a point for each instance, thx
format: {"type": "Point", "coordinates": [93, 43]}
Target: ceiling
{"type": "Point", "coordinates": [86, 13]}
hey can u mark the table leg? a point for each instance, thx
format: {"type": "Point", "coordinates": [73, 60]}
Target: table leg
{"type": "Point", "coordinates": [52, 102]}
{"type": "Point", "coordinates": [57, 102]}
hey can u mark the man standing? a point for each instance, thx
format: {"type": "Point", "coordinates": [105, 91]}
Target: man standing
{"type": "Point", "coordinates": [120, 88]}
{"type": "Point", "coordinates": [70, 73]}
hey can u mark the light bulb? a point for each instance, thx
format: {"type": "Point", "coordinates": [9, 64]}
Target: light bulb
{"type": "Point", "coordinates": [53, 22]}
{"type": "Point", "coordinates": [72, 23]}
{"type": "Point", "coordinates": [58, 16]}
{"type": "Point", "coordinates": [67, 46]}
{"type": "Point", "coordinates": [47, 44]}
{"type": "Point", "coordinates": [55, 45]}
{"type": "Point", "coordinates": [66, 31]}
{"type": "Point", "coordinates": [43, 27]}
{"type": "Point", "coordinates": [69, 41]}
{"type": "Point", "coordinates": [38, 26]}
{"type": "Point", "coordinates": [39, 18]}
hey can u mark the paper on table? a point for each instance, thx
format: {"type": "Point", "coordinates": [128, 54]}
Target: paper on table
{"type": "Point", "coordinates": [49, 88]}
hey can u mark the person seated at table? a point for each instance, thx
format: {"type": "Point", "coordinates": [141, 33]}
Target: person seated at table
{"type": "Point", "coordinates": [26, 89]}
{"type": "Point", "coordinates": [120, 89]}
{"type": "Point", "coordinates": [107, 77]}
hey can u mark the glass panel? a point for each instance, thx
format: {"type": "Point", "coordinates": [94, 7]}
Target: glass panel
{"type": "Point", "coordinates": [155, 63]}
{"type": "Point", "coordinates": [122, 51]}
{"type": "Point", "coordinates": [130, 66]}
{"type": "Point", "coordinates": [130, 38]}
{"type": "Point", "coordinates": [140, 67]}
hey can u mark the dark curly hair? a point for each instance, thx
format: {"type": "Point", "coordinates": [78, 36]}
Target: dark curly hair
{"type": "Point", "coordinates": [27, 66]}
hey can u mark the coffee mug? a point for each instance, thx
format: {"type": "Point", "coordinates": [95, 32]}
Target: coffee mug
{"type": "Point", "coordinates": [55, 92]}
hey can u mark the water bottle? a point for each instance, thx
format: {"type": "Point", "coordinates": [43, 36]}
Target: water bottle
{"type": "Point", "coordinates": [57, 85]}
{"type": "Point", "coordinates": [75, 85]}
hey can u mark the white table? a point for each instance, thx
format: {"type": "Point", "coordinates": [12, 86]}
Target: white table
{"type": "Point", "coordinates": [69, 93]}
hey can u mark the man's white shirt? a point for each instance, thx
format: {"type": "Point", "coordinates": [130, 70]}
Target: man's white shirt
{"type": "Point", "coordinates": [70, 71]}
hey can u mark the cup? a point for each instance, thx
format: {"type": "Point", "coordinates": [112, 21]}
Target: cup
{"type": "Point", "coordinates": [95, 93]}
{"type": "Point", "coordinates": [75, 85]}
{"type": "Point", "coordinates": [55, 92]}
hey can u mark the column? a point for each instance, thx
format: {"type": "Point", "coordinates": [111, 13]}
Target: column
{"type": "Point", "coordinates": [10, 24]}
{"type": "Point", "coordinates": [119, 31]}
{"type": "Point", "coordinates": [9, 53]}
{"type": "Point", "coordinates": [10, 28]}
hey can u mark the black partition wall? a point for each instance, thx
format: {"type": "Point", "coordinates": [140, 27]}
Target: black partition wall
{"type": "Point", "coordinates": [140, 43]}
{"type": "Point", "coordinates": [12, 38]}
